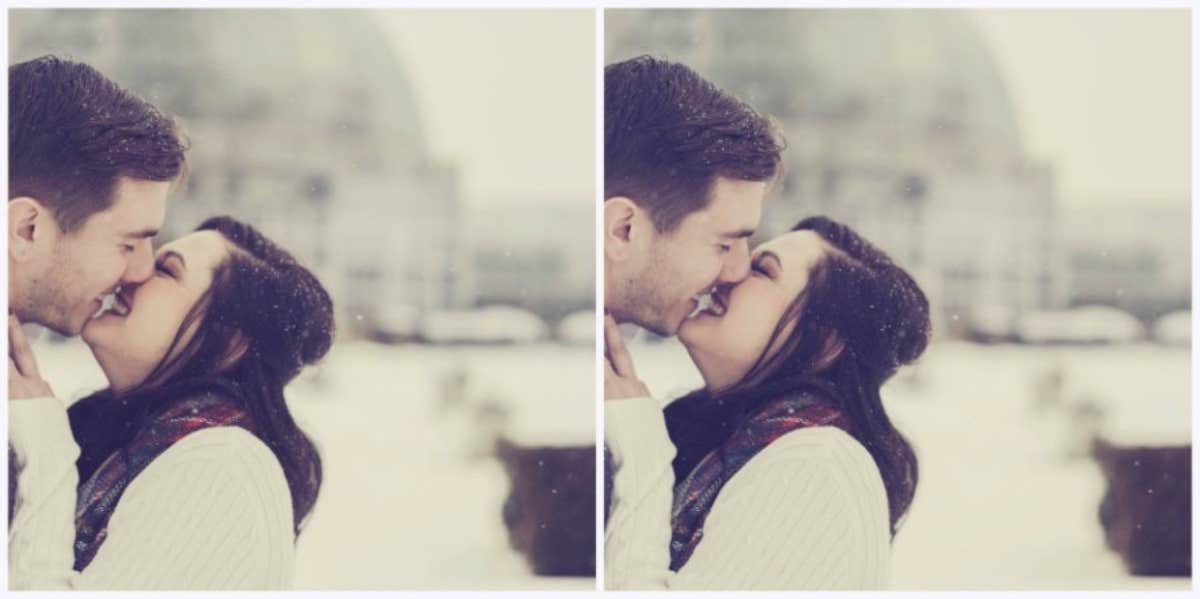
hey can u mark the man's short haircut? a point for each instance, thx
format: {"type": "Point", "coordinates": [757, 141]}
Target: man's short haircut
{"type": "Point", "coordinates": [669, 133]}
{"type": "Point", "coordinates": [72, 133]}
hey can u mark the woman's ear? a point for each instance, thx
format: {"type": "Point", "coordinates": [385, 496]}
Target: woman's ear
{"type": "Point", "coordinates": [831, 350]}
{"type": "Point", "coordinates": [237, 348]}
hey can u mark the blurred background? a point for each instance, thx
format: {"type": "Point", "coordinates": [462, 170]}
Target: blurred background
{"type": "Point", "coordinates": [1032, 170]}
{"type": "Point", "coordinates": [435, 169]}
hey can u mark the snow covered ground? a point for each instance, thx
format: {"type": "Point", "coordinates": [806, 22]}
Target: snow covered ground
{"type": "Point", "coordinates": [410, 500]}
{"type": "Point", "coordinates": [409, 503]}
{"type": "Point", "coordinates": [1000, 503]}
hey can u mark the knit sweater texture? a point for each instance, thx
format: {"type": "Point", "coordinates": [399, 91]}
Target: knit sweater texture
{"type": "Point", "coordinates": [808, 512]}
{"type": "Point", "coordinates": [213, 511]}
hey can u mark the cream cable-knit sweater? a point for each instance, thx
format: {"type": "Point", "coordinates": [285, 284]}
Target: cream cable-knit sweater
{"type": "Point", "coordinates": [211, 512]}
{"type": "Point", "coordinates": [808, 512]}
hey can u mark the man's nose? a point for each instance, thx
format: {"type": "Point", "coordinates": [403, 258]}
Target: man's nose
{"type": "Point", "coordinates": [141, 264]}
{"type": "Point", "coordinates": [737, 263]}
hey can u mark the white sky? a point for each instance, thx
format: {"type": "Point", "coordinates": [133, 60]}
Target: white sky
{"type": "Point", "coordinates": [507, 96]}
{"type": "Point", "coordinates": [1103, 95]}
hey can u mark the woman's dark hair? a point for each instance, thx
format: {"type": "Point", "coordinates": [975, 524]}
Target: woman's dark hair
{"type": "Point", "coordinates": [263, 318]}
{"type": "Point", "coordinates": [669, 133]}
{"type": "Point", "coordinates": [859, 318]}
{"type": "Point", "coordinates": [72, 133]}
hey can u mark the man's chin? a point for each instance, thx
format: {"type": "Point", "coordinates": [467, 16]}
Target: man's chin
{"type": "Point", "coordinates": [64, 327]}
{"type": "Point", "coordinates": [663, 328]}
{"type": "Point", "coordinates": [656, 325]}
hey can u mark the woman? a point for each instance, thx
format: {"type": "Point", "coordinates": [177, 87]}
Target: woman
{"type": "Point", "coordinates": [191, 471]}
{"type": "Point", "coordinates": [787, 472]}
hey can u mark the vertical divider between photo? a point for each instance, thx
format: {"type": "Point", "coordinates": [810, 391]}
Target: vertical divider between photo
{"type": "Point", "coordinates": [598, 61]}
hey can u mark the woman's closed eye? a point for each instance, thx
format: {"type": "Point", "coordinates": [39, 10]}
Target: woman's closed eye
{"type": "Point", "coordinates": [765, 265]}
{"type": "Point", "coordinates": [162, 268]}
{"type": "Point", "coordinates": [170, 263]}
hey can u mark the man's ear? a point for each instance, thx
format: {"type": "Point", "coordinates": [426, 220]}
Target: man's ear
{"type": "Point", "coordinates": [25, 222]}
{"type": "Point", "coordinates": [619, 216]}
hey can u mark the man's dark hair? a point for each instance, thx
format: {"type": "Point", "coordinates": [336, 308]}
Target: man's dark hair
{"type": "Point", "coordinates": [669, 133]}
{"type": "Point", "coordinates": [72, 132]}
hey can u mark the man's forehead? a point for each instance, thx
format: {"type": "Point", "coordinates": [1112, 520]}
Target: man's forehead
{"type": "Point", "coordinates": [135, 225]}
{"type": "Point", "coordinates": [735, 207]}
{"type": "Point", "coordinates": [138, 207]}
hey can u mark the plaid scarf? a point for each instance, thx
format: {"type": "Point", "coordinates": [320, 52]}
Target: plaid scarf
{"type": "Point", "coordinates": [99, 494]}
{"type": "Point", "coordinates": [694, 497]}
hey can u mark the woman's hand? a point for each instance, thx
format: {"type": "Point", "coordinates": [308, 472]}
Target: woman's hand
{"type": "Point", "coordinates": [620, 380]}
{"type": "Point", "coordinates": [24, 382]}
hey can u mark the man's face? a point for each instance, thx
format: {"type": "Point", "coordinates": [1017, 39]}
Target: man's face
{"type": "Point", "coordinates": [707, 249]}
{"type": "Point", "coordinates": [113, 248]}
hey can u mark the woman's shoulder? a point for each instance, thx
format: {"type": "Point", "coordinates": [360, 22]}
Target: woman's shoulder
{"type": "Point", "coordinates": [827, 457]}
{"type": "Point", "coordinates": [218, 465]}
{"type": "Point", "coordinates": [203, 421]}
{"type": "Point", "coordinates": [812, 500]}
{"type": "Point", "coordinates": [219, 460]}
{"type": "Point", "coordinates": [212, 511]}
{"type": "Point", "coordinates": [233, 448]}
{"type": "Point", "coordinates": [818, 442]}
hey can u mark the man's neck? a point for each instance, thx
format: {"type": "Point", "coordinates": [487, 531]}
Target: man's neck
{"type": "Point", "coordinates": [613, 302]}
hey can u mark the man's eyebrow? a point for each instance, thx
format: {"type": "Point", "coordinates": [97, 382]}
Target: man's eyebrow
{"type": "Point", "coordinates": [739, 234]}
{"type": "Point", "coordinates": [143, 234]}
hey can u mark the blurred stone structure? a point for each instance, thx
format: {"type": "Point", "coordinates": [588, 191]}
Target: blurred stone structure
{"type": "Point", "coordinates": [898, 123]}
{"type": "Point", "coordinates": [539, 256]}
{"type": "Point", "coordinates": [1133, 257]}
{"type": "Point", "coordinates": [302, 123]}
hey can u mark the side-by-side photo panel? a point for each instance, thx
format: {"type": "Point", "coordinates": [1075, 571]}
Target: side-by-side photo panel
{"type": "Point", "coordinates": [897, 299]}
{"type": "Point", "coordinates": [302, 299]}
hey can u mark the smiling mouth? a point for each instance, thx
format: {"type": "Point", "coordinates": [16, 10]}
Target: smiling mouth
{"type": "Point", "coordinates": [112, 303]}
{"type": "Point", "coordinates": [711, 303]}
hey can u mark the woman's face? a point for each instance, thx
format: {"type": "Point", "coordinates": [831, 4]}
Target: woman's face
{"type": "Point", "coordinates": [128, 346]}
{"type": "Point", "coordinates": [725, 346]}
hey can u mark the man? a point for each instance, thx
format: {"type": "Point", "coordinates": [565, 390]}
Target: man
{"type": "Point", "coordinates": [686, 168]}
{"type": "Point", "coordinates": [90, 168]}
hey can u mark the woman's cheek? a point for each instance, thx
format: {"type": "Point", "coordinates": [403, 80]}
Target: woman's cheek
{"type": "Point", "coordinates": [737, 345]}
{"type": "Point", "coordinates": [156, 329]}
{"type": "Point", "coordinates": [761, 325]}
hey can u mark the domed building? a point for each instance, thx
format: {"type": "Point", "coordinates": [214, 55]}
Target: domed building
{"type": "Point", "coordinates": [897, 122]}
{"type": "Point", "coordinates": [302, 123]}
